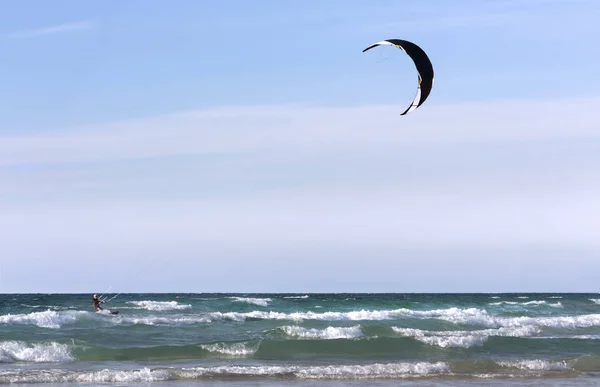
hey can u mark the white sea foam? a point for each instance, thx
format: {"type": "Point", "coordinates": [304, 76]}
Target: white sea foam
{"type": "Point", "coordinates": [390, 370]}
{"type": "Point", "coordinates": [536, 365]}
{"type": "Point", "coordinates": [102, 376]}
{"type": "Point", "coordinates": [370, 371]}
{"type": "Point", "coordinates": [464, 339]}
{"type": "Point", "coordinates": [595, 300]}
{"type": "Point", "coordinates": [49, 307]}
{"type": "Point", "coordinates": [397, 370]}
{"type": "Point", "coordinates": [324, 316]}
{"type": "Point", "coordinates": [578, 337]}
{"type": "Point", "coordinates": [528, 303]}
{"type": "Point", "coordinates": [329, 333]}
{"type": "Point", "coordinates": [254, 301]}
{"type": "Point", "coordinates": [471, 316]}
{"type": "Point", "coordinates": [299, 297]}
{"type": "Point", "coordinates": [232, 349]}
{"type": "Point", "coordinates": [343, 372]}
{"type": "Point", "coordinates": [479, 317]}
{"type": "Point", "coordinates": [46, 319]}
{"type": "Point", "coordinates": [164, 320]}
{"type": "Point", "coordinates": [159, 305]}
{"type": "Point", "coordinates": [18, 351]}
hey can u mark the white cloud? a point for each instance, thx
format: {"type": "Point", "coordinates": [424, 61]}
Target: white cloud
{"type": "Point", "coordinates": [378, 216]}
{"type": "Point", "coordinates": [332, 182]}
{"type": "Point", "coordinates": [518, 20]}
{"type": "Point", "coordinates": [66, 27]}
{"type": "Point", "coordinates": [307, 129]}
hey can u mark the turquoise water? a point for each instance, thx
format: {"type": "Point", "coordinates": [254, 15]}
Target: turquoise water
{"type": "Point", "coordinates": [302, 339]}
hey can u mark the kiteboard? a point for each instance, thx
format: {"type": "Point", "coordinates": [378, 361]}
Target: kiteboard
{"type": "Point", "coordinates": [107, 312]}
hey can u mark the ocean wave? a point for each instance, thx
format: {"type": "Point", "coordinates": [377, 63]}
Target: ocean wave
{"type": "Point", "coordinates": [66, 376]}
{"type": "Point", "coordinates": [329, 333]}
{"type": "Point", "coordinates": [159, 306]}
{"type": "Point", "coordinates": [297, 297]}
{"type": "Point", "coordinates": [49, 307]}
{"type": "Point", "coordinates": [482, 318]}
{"type": "Point", "coordinates": [528, 303]}
{"type": "Point", "coordinates": [164, 320]}
{"type": "Point", "coordinates": [233, 349]}
{"type": "Point", "coordinates": [537, 365]}
{"type": "Point", "coordinates": [470, 316]}
{"type": "Point", "coordinates": [46, 319]}
{"type": "Point", "coordinates": [323, 316]}
{"type": "Point", "coordinates": [395, 370]}
{"type": "Point", "coordinates": [18, 351]}
{"type": "Point", "coordinates": [464, 339]}
{"type": "Point", "coordinates": [254, 301]}
{"type": "Point", "coordinates": [348, 372]}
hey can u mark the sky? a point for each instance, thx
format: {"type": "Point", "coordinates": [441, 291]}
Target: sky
{"type": "Point", "coordinates": [239, 146]}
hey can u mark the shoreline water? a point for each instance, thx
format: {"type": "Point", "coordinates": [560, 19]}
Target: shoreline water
{"type": "Point", "coordinates": [363, 339]}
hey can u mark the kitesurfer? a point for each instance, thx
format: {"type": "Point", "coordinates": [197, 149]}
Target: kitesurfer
{"type": "Point", "coordinates": [96, 302]}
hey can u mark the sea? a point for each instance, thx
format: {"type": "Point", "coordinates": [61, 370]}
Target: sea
{"type": "Point", "coordinates": [231, 340]}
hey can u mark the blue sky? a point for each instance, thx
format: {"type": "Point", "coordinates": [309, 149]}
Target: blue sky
{"type": "Point", "coordinates": [252, 147]}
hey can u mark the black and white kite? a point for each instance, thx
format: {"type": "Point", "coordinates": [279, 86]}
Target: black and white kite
{"type": "Point", "coordinates": [423, 65]}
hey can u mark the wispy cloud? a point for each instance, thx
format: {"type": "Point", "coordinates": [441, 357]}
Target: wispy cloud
{"type": "Point", "coordinates": [522, 20]}
{"type": "Point", "coordinates": [61, 28]}
{"type": "Point", "coordinates": [328, 184]}
{"type": "Point", "coordinates": [311, 130]}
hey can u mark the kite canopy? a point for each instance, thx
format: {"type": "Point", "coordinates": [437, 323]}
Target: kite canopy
{"type": "Point", "coordinates": [424, 68]}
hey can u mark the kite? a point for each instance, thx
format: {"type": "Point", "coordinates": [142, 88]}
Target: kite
{"type": "Point", "coordinates": [423, 65]}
